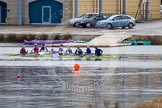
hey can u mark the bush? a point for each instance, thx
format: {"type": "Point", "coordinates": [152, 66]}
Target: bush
{"type": "Point", "coordinates": [63, 37]}
{"type": "Point", "coordinates": [156, 103]}
{"type": "Point", "coordinates": [1, 37]}
{"type": "Point", "coordinates": [11, 37]}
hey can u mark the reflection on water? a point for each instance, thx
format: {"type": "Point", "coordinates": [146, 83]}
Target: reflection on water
{"type": "Point", "coordinates": [58, 87]}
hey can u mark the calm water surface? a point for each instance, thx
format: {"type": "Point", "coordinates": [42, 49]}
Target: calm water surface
{"type": "Point", "coordinates": [51, 83]}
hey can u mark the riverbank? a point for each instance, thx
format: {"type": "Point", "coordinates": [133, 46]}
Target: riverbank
{"type": "Point", "coordinates": [99, 37]}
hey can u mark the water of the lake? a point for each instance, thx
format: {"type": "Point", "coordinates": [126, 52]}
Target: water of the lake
{"type": "Point", "coordinates": [51, 83]}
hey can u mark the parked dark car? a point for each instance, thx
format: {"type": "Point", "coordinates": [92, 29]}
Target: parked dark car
{"type": "Point", "coordinates": [92, 21]}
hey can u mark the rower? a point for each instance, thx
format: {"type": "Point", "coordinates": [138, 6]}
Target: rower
{"type": "Point", "coordinates": [61, 50]}
{"type": "Point", "coordinates": [35, 49]}
{"type": "Point", "coordinates": [54, 52]}
{"type": "Point", "coordinates": [79, 52]}
{"type": "Point", "coordinates": [44, 49]}
{"type": "Point", "coordinates": [68, 50]}
{"type": "Point", "coordinates": [88, 50]}
{"type": "Point", "coordinates": [98, 52]}
{"type": "Point", "coordinates": [23, 50]}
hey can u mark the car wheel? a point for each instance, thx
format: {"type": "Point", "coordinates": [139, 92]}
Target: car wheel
{"type": "Point", "coordinates": [88, 25]}
{"type": "Point", "coordinates": [109, 26]}
{"type": "Point", "coordinates": [76, 24]}
{"type": "Point", "coordinates": [130, 25]}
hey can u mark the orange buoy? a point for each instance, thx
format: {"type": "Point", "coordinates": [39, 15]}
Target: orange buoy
{"type": "Point", "coordinates": [76, 68]}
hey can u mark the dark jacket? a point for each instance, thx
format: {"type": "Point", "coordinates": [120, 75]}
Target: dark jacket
{"type": "Point", "coordinates": [88, 51]}
{"type": "Point", "coordinates": [78, 52]}
{"type": "Point", "coordinates": [43, 48]}
{"type": "Point", "coordinates": [98, 52]}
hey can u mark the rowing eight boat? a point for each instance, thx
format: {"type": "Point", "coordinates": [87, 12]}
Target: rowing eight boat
{"type": "Point", "coordinates": [68, 56]}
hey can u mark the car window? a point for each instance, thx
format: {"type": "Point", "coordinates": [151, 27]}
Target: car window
{"type": "Point", "coordinates": [117, 18]}
{"type": "Point", "coordinates": [98, 18]}
{"type": "Point", "coordinates": [126, 17]}
{"type": "Point", "coordinates": [89, 15]}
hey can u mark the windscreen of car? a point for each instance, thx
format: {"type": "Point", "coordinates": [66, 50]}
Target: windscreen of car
{"type": "Point", "coordinates": [81, 15]}
{"type": "Point", "coordinates": [111, 17]}
{"type": "Point", "coordinates": [106, 15]}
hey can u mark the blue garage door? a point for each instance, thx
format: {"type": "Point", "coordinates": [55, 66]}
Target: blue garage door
{"type": "Point", "coordinates": [45, 12]}
{"type": "Point", "coordinates": [3, 12]}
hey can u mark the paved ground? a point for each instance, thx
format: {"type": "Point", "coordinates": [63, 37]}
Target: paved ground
{"type": "Point", "coordinates": [107, 38]}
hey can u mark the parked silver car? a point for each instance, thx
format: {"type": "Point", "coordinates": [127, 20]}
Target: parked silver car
{"type": "Point", "coordinates": [117, 21]}
{"type": "Point", "coordinates": [75, 21]}
{"type": "Point", "coordinates": [91, 22]}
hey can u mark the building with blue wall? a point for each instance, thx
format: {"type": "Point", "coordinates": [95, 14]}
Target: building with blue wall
{"type": "Point", "coordinates": [3, 12]}
{"type": "Point", "coordinates": [40, 12]}
{"type": "Point", "coordinates": [52, 12]}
